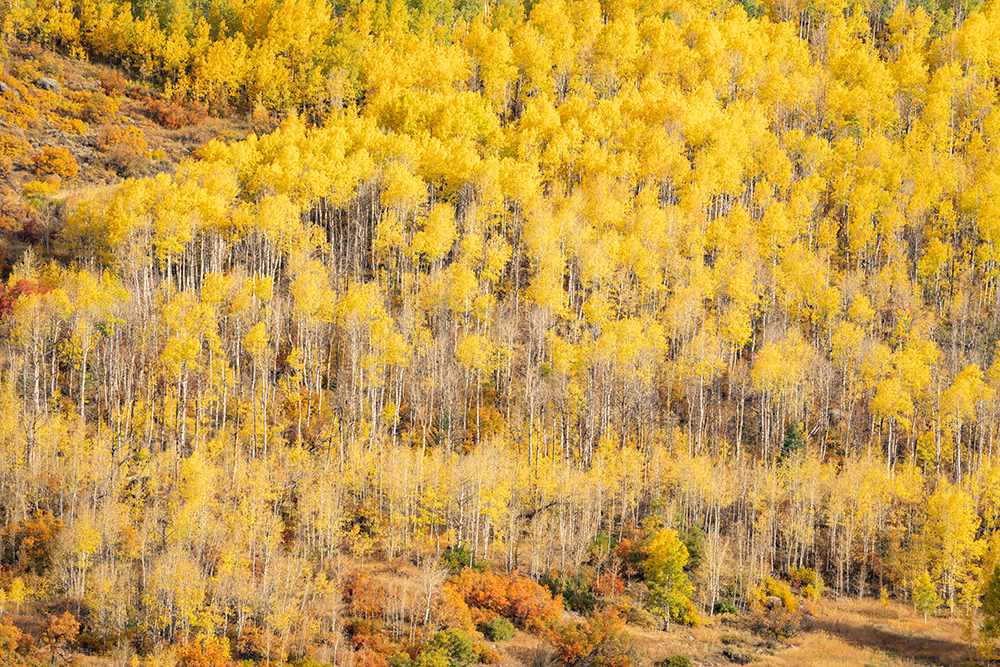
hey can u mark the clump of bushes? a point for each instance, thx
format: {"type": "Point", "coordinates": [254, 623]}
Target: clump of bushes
{"type": "Point", "coordinates": [808, 581]}
{"type": "Point", "coordinates": [514, 596]}
{"type": "Point", "coordinates": [774, 610]}
{"type": "Point", "coordinates": [602, 642]}
{"type": "Point", "coordinates": [96, 107]}
{"type": "Point", "coordinates": [577, 591]}
{"type": "Point", "coordinates": [208, 652]}
{"type": "Point", "coordinates": [736, 656]}
{"type": "Point", "coordinates": [173, 114]}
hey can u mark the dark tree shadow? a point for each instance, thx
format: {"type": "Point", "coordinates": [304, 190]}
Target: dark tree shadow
{"type": "Point", "coordinates": [924, 649]}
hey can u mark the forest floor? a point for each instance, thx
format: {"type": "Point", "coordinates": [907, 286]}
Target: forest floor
{"type": "Point", "coordinates": [844, 632]}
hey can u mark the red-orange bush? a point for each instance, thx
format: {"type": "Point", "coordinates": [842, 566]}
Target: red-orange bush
{"type": "Point", "coordinates": [113, 82]}
{"type": "Point", "coordinates": [601, 642]}
{"type": "Point", "coordinates": [609, 584]}
{"type": "Point", "coordinates": [209, 652]}
{"type": "Point", "coordinates": [514, 596]}
{"type": "Point", "coordinates": [173, 114]}
{"type": "Point", "coordinates": [364, 596]}
{"type": "Point", "coordinates": [29, 544]}
{"type": "Point", "coordinates": [532, 606]}
{"type": "Point", "coordinates": [8, 297]}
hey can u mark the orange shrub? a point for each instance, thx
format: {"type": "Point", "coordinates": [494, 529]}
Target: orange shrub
{"type": "Point", "coordinates": [210, 652]}
{"type": "Point", "coordinates": [609, 584]}
{"type": "Point", "coordinates": [365, 597]}
{"type": "Point", "coordinates": [514, 596]}
{"type": "Point", "coordinates": [112, 82]}
{"type": "Point", "coordinates": [173, 114]}
{"type": "Point", "coordinates": [488, 655]}
{"type": "Point", "coordinates": [454, 612]}
{"type": "Point", "coordinates": [532, 606]}
{"type": "Point", "coordinates": [12, 641]}
{"type": "Point", "coordinates": [29, 544]}
{"type": "Point", "coordinates": [601, 642]}
{"type": "Point", "coordinates": [55, 161]}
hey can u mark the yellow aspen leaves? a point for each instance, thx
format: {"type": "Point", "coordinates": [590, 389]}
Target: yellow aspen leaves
{"type": "Point", "coordinates": [256, 340]}
{"type": "Point", "coordinates": [437, 235]}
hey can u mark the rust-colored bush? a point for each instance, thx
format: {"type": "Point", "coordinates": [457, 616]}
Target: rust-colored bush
{"type": "Point", "coordinates": [523, 601]}
{"type": "Point", "coordinates": [12, 640]}
{"type": "Point", "coordinates": [60, 632]}
{"type": "Point", "coordinates": [609, 584]}
{"type": "Point", "coordinates": [208, 652]}
{"type": "Point", "coordinates": [29, 544]}
{"type": "Point", "coordinates": [125, 148]}
{"type": "Point", "coordinates": [173, 114]}
{"type": "Point", "coordinates": [488, 655]}
{"type": "Point", "coordinates": [365, 597]}
{"type": "Point", "coordinates": [113, 83]}
{"type": "Point", "coordinates": [601, 642]}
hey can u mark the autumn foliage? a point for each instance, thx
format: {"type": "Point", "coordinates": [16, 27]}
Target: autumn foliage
{"type": "Point", "coordinates": [515, 280]}
{"type": "Point", "coordinates": [514, 596]}
{"type": "Point", "coordinates": [601, 641]}
{"type": "Point", "coordinates": [53, 161]}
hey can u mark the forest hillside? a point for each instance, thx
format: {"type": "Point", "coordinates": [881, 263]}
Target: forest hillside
{"type": "Point", "coordinates": [575, 313]}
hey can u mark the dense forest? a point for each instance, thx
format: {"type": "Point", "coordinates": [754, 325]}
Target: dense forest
{"type": "Point", "coordinates": [546, 286]}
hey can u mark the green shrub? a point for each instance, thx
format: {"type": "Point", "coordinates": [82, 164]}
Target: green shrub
{"type": "Point", "coordinates": [457, 645]}
{"type": "Point", "coordinates": [400, 659]}
{"type": "Point", "coordinates": [676, 661]}
{"type": "Point", "coordinates": [577, 591]}
{"type": "Point", "coordinates": [456, 557]}
{"type": "Point", "coordinates": [498, 629]}
{"type": "Point", "coordinates": [725, 607]}
{"type": "Point", "coordinates": [433, 658]}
